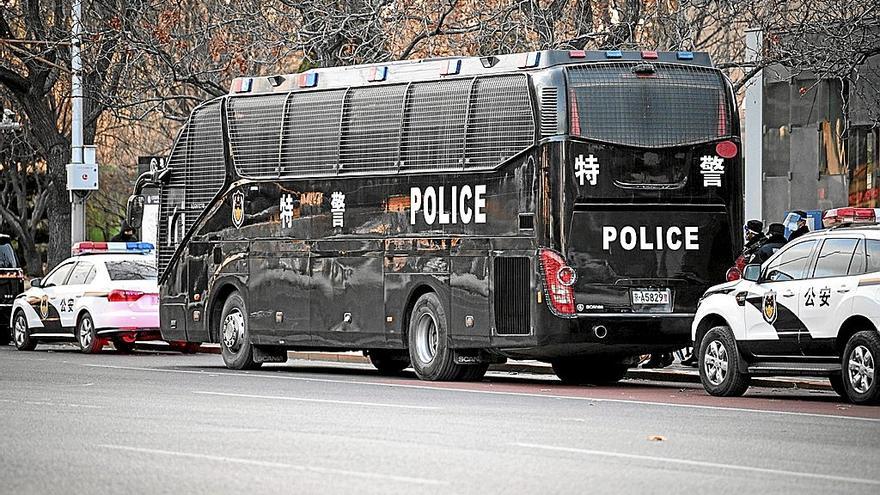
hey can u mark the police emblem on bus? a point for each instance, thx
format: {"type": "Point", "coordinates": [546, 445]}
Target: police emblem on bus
{"type": "Point", "coordinates": [770, 311]}
{"type": "Point", "coordinates": [237, 208]}
{"type": "Point", "coordinates": [44, 307]}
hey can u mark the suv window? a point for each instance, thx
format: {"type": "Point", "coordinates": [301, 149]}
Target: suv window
{"type": "Point", "coordinates": [792, 263]}
{"type": "Point", "coordinates": [873, 251]}
{"type": "Point", "coordinates": [82, 274]}
{"type": "Point", "coordinates": [834, 257]}
{"type": "Point", "coordinates": [7, 256]}
{"type": "Point", "coordinates": [59, 276]}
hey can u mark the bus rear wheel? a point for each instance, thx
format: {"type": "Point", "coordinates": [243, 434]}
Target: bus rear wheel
{"type": "Point", "coordinates": [589, 371]}
{"type": "Point", "coordinates": [429, 352]}
{"type": "Point", "coordinates": [235, 343]}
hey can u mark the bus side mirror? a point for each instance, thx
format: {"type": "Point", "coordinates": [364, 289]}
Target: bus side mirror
{"type": "Point", "coordinates": [752, 272]}
{"type": "Point", "coordinates": [134, 211]}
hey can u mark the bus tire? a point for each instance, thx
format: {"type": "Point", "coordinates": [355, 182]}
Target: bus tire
{"type": "Point", "coordinates": [589, 371]}
{"type": "Point", "coordinates": [87, 335]}
{"type": "Point", "coordinates": [21, 334]}
{"type": "Point", "coordinates": [720, 363]}
{"type": "Point", "coordinates": [429, 352]}
{"type": "Point", "coordinates": [389, 362]}
{"type": "Point", "coordinates": [235, 344]}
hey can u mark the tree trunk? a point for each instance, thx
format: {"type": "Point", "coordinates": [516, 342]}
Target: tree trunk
{"type": "Point", "coordinates": [59, 205]}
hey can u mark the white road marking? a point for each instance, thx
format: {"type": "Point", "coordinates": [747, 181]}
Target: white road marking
{"type": "Point", "coordinates": [279, 465]}
{"type": "Point", "coordinates": [50, 404]}
{"type": "Point", "coordinates": [494, 392]}
{"type": "Point", "coordinates": [686, 462]}
{"type": "Point", "coordinates": [322, 401]}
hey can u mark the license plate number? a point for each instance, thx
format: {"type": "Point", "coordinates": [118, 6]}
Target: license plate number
{"type": "Point", "coordinates": [650, 297]}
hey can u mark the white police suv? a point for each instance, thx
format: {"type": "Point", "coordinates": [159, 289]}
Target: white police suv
{"type": "Point", "coordinates": [106, 292]}
{"type": "Point", "coordinates": [813, 308]}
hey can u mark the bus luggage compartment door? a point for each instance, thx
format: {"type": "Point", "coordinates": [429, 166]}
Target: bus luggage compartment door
{"type": "Point", "coordinates": [647, 258]}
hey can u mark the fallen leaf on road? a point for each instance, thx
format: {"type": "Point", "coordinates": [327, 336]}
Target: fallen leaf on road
{"type": "Point", "coordinates": [656, 438]}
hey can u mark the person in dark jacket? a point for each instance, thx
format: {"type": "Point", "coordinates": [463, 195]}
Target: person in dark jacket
{"type": "Point", "coordinates": [801, 225]}
{"type": "Point", "coordinates": [775, 241]}
{"type": "Point", "coordinates": [126, 234]}
{"type": "Point", "coordinates": [755, 238]}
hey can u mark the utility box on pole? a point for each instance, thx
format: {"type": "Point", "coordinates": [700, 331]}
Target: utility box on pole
{"type": "Point", "coordinates": [83, 176]}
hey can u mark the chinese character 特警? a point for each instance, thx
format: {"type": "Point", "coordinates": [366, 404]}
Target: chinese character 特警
{"type": "Point", "coordinates": [824, 295]}
{"type": "Point", "coordinates": [712, 168]}
{"type": "Point", "coordinates": [286, 211]}
{"type": "Point", "coordinates": [586, 169]}
{"type": "Point", "coordinates": [337, 208]}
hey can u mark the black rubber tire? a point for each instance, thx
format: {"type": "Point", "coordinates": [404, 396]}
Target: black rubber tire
{"type": "Point", "coordinates": [123, 346]}
{"type": "Point", "coordinates": [389, 362]}
{"type": "Point", "coordinates": [26, 343]}
{"type": "Point", "coordinates": [838, 386]}
{"type": "Point", "coordinates": [441, 366]}
{"type": "Point", "coordinates": [869, 339]}
{"type": "Point", "coordinates": [94, 343]}
{"type": "Point", "coordinates": [241, 357]}
{"type": "Point", "coordinates": [589, 371]}
{"type": "Point", "coordinates": [473, 372]}
{"type": "Point", "coordinates": [185, 347]}
{"type": "Point", "coordinates": [736, 381]}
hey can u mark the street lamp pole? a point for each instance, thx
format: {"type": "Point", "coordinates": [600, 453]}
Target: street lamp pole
{"type": "Point", "coordinates": [82, 172]}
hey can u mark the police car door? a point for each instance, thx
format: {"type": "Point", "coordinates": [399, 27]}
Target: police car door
{"type": "Point", "coordinates": [73, 290]}
{"type": "Point", "coordinates": [771, 309]}
{"type": "Point", "coordinates": [48, 299]}
{"type": "Point", "coordinates": [824, 299]}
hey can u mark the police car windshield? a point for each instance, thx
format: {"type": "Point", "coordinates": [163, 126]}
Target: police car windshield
{"type": "Point", "coordinates": [7, 257]}
{"type": "Point", "coordinates": [132, 270]}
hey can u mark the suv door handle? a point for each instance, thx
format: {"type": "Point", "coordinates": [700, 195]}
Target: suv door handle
{"type": "Point", "coordinates": [787, 293]}
{"type": "Point", "coordinates": [843, 290]}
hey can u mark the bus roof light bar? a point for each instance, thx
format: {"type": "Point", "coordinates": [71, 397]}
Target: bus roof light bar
{"type": "Point", "coordinates": [650, 54]}
{"type": "Point", "coordinates": [378, 74]}
{"type": "Point", "coordinates": [613, 54]}
{"type": "Point", "coordinates": [577, 54]}
{"type": "Point", "coordinates": [532, 60]}
{"type": "Point", "coordinates": [308, 80]}
{"type": "Point", "coordinates": [452, 67]}
{"type": "Point", "coordinates": [685, 55]}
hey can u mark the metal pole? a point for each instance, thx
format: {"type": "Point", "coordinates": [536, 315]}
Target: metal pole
{"type": "Point", "coordinates": [754, 123]}
{"type": "Point", "coordinates": [77, 199]}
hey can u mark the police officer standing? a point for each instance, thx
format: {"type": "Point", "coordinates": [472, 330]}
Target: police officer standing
{"type": "Point", "coordinates": [801, 225]}
{"type": "Point", "coordinates": [775, 241]}
{"type": "Point", "coordinates": [126, 234]}
{"type": "Point", "coordinates": [755, 238]}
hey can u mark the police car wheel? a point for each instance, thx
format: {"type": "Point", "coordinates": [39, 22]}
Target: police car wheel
{"type": "Point", "coordinates": [431, 357]}
{"type": "Point", "coordinates": [87, 335]}
{"type": "Point", "coordinates": [21, 334]}
{"type": "Point", "coordinates": [719, 364]}
{"type": "Point", "coordinates": [860, 367]}
{"type": "Point", "coordinates": [235, 344]}
{"type": "Point", "coordinates": [589, 371]}
{"type": "Point", "coordinates": [389, 362]}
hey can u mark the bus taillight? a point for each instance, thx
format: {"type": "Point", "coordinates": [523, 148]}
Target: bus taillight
{"type": "Point", "coordinates": [558, 281]}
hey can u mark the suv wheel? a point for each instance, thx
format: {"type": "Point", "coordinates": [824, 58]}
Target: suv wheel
{"type": "Point", "coordinates": [22, 334]}
{"type": "Point", "coordinates": [719, 364]}
{"type": "Point", "coordinates": [860, 367]}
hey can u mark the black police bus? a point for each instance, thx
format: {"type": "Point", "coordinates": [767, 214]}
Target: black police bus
{"type": "Point", "coordinates": [564, 206]}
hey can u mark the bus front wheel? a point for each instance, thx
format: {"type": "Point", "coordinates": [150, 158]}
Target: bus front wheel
{"type": "Point", "coordinates": [429, 352]}
{"type": "Point", "coordinates": [235, 343]}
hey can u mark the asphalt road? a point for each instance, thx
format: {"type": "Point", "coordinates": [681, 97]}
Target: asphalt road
{"type": "Point", "coordinates": [168, 423]}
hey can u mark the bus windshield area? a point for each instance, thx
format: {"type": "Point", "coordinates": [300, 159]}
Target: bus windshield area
{"type": "Point", "coordinates": [648, 105]}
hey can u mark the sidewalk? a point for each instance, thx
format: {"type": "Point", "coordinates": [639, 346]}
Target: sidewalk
{"type": "Point", "coordinates": [674, 373]}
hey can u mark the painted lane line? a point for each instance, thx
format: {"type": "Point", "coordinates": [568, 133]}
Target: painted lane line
{"type": "Point", "coordinates": [321, 401]}
{"type": "Point", "coordinates": [278, 465]}
{"type": "Point", "coordinates": [495, 392]}
{"type": "Point", "coordinates": [713, 465]}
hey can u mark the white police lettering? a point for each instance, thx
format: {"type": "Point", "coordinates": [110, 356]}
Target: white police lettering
{"type": "Point", "coordinates": [586, 169]}
{"type": "Point", "coordinates": [712, 168]}
{"type": "Point", "coordinates": [286, 209]}
{"type": "Point", "coordinates": [337, 208]}
{"type": "Point", "coordinates": [651, 239]}
{"type": "Point", "coordinates": [448, 205]}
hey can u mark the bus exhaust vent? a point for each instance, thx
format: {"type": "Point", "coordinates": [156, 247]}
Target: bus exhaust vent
{"type": "Point", "coordinates": [511, 296]}
{"type": "Point", "coordinates": [548, 112]}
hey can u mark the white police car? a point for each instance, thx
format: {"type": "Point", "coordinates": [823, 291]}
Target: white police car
{"type": "Point", "coordinates": [813, 308]}
{"type": "Point", "coordinates": [107, 291]}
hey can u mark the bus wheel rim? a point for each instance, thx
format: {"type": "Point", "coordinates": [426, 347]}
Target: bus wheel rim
{"type": "Point", "coordinates": [20, 330]}
{"type": "Point", "coordinates": [427, 337]}
{"type": "Point", "coordinates": [861, 369]}
{"type": "Point", "coordinates": [233, 329]}
{"type": "Point", "coordinates": [716, 362]}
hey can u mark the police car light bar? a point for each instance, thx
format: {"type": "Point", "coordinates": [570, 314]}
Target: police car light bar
{"type": "Point", "coordinates": [838, 216]}
{"type": "Point", "coordinates": [88, 247]}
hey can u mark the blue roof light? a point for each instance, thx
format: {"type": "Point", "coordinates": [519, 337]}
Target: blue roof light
{"type": "Point", "coordinates": [685, 55]}
{"type": "Point", "coordinates": [613, 54]}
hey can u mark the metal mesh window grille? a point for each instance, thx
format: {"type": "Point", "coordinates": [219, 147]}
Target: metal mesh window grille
{"type": "Point", "coordinates": [675, 106]}
{"type": "Point", "coordinates": [501, 121]}
{"type": "Point", "coordinates": [434, 125]}
{"type": "Point", "coordinates": [254, 133]}
{"type": "Point", "coordinates": [371, 128]}
{"type": "Point", "coordinates": [311, 134]}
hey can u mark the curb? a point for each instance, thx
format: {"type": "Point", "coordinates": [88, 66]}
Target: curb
{"type": "Point", "coordinates": [672, 374]}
